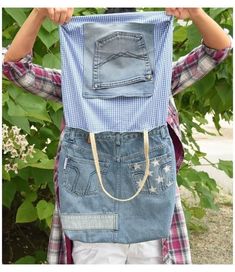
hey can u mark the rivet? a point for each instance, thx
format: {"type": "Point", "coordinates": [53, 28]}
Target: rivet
{"type": "Point", "coordinates": [149, 77]}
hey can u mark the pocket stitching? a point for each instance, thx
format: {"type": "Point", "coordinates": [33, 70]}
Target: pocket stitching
{"type": "Point", "coordinates": [96, 71]}
{"type": "Point", "coordinates": [87, 185]}
{"type": "Point", "coordinates": [151, 180]}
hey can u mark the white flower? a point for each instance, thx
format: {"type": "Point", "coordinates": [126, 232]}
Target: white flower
{"type": "Point", "coordinates": [4, 131]}
{"type": "Point", "coordinates": [14, 153]}
{"type": "Point", "coordinates": [14, 168]}
{"type": "Point", "coordinates": [33, 128]}
{"type": "Point", "coordinates": [48, 141]}
{"type": "Point", "coordinates": [7, 167]}
{"type": "Point", "coordinates": [44, 149]}
{"type": "Point", "coordinates": [16, 130]}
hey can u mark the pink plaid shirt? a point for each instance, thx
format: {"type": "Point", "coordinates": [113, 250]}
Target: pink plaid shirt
{"type": "Point", "coordinates": [46, 83]}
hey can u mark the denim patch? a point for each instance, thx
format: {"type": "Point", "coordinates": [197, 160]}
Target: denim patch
{"type": "Point", "coordinates": [118, 60]}
{"type": "Point", "coordinates": [88, 221]}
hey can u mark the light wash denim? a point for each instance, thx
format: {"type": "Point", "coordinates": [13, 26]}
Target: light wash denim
{"type": "Point", "coordinates": [118, 60]}
{"type": "Point", "coordinates": [88, 214]}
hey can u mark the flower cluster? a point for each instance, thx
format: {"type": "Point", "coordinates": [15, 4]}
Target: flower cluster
{"type": "Point", "coordinates": [15, 145]}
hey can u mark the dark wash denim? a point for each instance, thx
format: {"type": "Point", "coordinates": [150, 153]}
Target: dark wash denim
{"type": "Point", "coordinates": [118, 60]}
{"type": "Point", "coordinates": [88, 214]}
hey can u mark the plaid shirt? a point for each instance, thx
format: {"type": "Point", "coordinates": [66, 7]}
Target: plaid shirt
{"type": "Point", "coordinates": [46, 83]}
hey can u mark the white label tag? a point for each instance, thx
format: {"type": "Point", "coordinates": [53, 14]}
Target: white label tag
{"type": "Point", "coordinates": [65, 163]}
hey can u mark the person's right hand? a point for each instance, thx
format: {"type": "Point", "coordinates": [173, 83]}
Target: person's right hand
{"type": "Point", "coordinates": [57, 15]}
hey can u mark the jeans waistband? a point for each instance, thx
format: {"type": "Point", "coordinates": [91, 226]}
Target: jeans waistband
{"type": "Point", "coordinates": [73, 133]}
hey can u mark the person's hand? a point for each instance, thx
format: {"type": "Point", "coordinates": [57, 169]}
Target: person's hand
{"type": "Point", "coordinates": [57, 15]}
{"type": "Point", "coordinates": [183, 13]}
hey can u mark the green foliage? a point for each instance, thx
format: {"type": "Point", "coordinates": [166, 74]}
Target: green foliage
{"type": "Point", "coordinates": [32, 188]}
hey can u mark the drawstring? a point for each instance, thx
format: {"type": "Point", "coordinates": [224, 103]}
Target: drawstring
{"type": "Point", "coordinates": [97, 166]}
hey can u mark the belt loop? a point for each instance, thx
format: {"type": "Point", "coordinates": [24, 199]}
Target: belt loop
{"type": "Point", "coordinates": [72, 134]}
{"type": "Point", "coordinates": [164, 132]}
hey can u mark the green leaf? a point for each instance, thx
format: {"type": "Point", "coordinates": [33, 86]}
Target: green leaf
{"type": "Point", "coordinates": [49, 221]}
{"type": "Point", "coordinates": [57, 118]}
{"type": "Point", "coordinates": [5, 174]}
{"type": "Point", "coordinates": [227, 167]}
{"type": "Point", "coordinates": [180, 34]}
{"type": "Point", "coordinates": [26, 213]}
{"type": "Point", "coordinates": [31, 196]}
{"type": "Point", "coordinates": [8, 193]}
{"type": "Point", "coordinates": [48, 40]}
{"type": "Point", "coordinates": [194, 37]}
{"type": "Point", "coordinates": [47, 164]}
{"type": "Point", "coordinates": [26, 260]}
{"type": "Point", "coordinates": [214, 12]}
{"type": "Point", "coordinates": [5, 98]}
{"type": "Point", "coordinates": [48, 133]}
{"type": "Point", "coordinates": [14, 91]}
{"type": "Point", "coordinates": [41, 256]}
{"type": "Point", "coordinates": [48, 25]}
{"type": "Point", "coordinates": [44, 209]}
{"type": "Point", "coordinates": [14, 109]}
{"type": "Point", "coordinates": [17, 14]}
{"type": "Point", "coordinates": [34, 106]}
{"type": "Point", "coordinates": [20, 122]}
{"type": "Point", "coordinates": [41, 176]}
{"type": "Point", "coordinates": [55, 105]}
{"type": "Point", "coordinates": [224, 91]}
{"type": "Point", "coordinates": [197, 212]}
{"type": "Point", "coordinates": [205, 85]}
{"type": "Point", "coordinates": [51, 61]}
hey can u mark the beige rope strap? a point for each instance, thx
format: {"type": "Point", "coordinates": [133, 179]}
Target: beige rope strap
{"type": "Point", "coordinates": [97, 166]}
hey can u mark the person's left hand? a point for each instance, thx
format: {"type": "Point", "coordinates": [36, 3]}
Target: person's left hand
{"type": "Point", "coordinates": [183, 13]}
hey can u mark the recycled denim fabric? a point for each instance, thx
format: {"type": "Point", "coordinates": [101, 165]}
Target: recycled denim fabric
{"type": "Point", "coordinates": [116, 71]}
{"type": "Point", "coordinates": [89, 215]}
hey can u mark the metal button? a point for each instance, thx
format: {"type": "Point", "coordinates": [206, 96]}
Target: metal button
{"type": "Point", "coordinates": [149, 77]}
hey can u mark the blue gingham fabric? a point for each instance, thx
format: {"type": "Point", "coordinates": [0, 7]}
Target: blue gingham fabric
{"type": "Point", "coordinates": [119, 114]}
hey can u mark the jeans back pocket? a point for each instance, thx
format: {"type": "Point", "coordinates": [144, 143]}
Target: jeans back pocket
{"type": "Point", "coordinates": [118, 60]}
{"type": "Point", "coordinates": [79, 177]}
{"type": "Point", "coordinates": [162, 174]}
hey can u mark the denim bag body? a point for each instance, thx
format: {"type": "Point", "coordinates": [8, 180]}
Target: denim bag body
{"type": "Point", "coordinates": [117, 170]}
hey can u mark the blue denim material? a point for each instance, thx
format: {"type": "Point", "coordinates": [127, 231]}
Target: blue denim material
{"type": "Point", "coordinates": [118, 60]}
{"type": "Point", "coordinates": [88, 214]}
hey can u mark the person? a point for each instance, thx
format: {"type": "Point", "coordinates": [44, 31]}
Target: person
{"type": "Point", "coordinates": [18, 67]}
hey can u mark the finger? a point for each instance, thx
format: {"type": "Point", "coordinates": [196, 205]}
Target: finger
{"type": "Point", "coordinates": [51, 13]}
{"type": "Point", "coordinates": [181, 13]}
{"type": "Point", "coordinates": [57, 15]}
{"type": "Point", "coordinates": [69, 14]}
{"type": "Point", "coordinates": [63, 17]}
{"type": "Point", "coordinates": [169, 11]}
{"type": "Point", "coordinates": [177, 14]}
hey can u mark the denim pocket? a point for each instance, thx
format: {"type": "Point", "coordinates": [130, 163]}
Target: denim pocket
{"type": "Point", "coordinates": [123, 53]}
{"type": "Point", "coordinates": [161, 176]}
{"type": "Point", "coordinates": [79, 176]}
{"type": "Point", "coordinates": [118, 60]}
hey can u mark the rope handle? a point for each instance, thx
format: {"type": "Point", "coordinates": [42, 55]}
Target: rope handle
{"type": "Point", "coordinates": [97, 166]}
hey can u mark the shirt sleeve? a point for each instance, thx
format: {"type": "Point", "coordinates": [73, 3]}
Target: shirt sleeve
{"type": "Point", "coordinates": [190, 68]}
{"type": "Point", "coordinates": [44, 82]}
